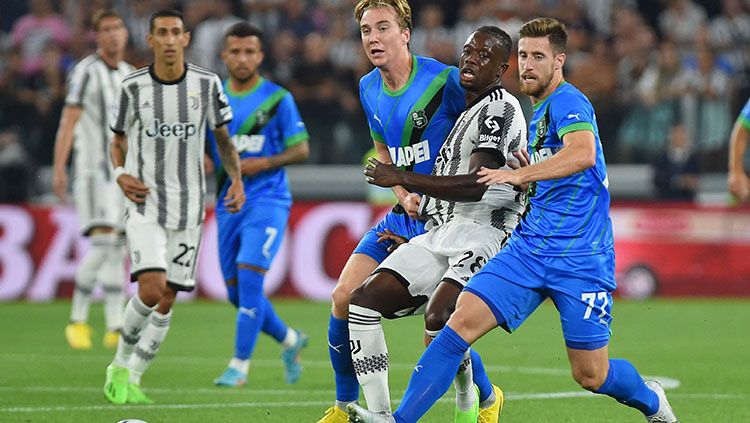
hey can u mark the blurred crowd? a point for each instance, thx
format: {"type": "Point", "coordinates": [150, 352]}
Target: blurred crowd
{"type": "Point", "coordinates": [667, 77]}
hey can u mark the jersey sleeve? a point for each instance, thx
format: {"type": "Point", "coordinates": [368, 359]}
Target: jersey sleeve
{"type": "Point", "coordinates": [123, 114]}
{"type": "Point", "coordinates": [454, 96]}
{"type": "Point", "coordinates": [293, 130]}
{"type": "Point", "coordinates": [744, 117]}
{"type": "Point", "coordinates": [78, 82]}
{"type": "Point", "coordinates": [376, 128]}
{"type": "Point", "coordinates": [571, 113]}
{"type": "Point", "coordinates": [497, 130]}
{"type": "Point", "coordinates": [219, 112]}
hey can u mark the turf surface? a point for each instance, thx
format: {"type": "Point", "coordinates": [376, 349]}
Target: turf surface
{"type": "Point", "coordinates": [702, 345]}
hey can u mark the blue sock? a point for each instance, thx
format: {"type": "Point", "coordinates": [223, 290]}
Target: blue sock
{"type": "Point", "coordinates": [250, 313]}
{"type": "Point", "coordinates": [432, 376]}
{"type": "Point", "coordinates": [624, 384]}
{"type": "Point", "coordinates": [347, 386]}
{"type": "Point", "coordinates": [233, 295]}
{"type": "Point", "coordinates": [480, 376]}
{"type": "Point", "coordinates": [272, 323]}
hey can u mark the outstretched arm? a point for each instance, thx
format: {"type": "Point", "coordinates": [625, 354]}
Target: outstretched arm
{"type": "Point", "coordinates": [451, 188]}
{"type": "Point", "coordinates": [230, 159]}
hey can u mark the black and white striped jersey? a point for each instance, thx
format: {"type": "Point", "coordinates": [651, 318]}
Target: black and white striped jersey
{"type": "Point", "coordinates": [493, 123]}
{"type": "Point", "coordinates": [94, 86]}
{"type": "Point", "coordinates": [165, 124]}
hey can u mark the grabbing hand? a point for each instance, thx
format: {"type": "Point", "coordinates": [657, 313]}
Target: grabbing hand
{"type": "Point", "coordinates": [410, 203]}
{"type": "Point", "coordinates": [235, 198]}
{"type": "Point", "coordinates": [498, 176]}
{"type": "Point", "coordinates": [523, 160]}
{"type": "Point", "coordinates": [739, 186]}
{"type": "Point", "coordinates": [133, 188]}
{"type": "Point", "coordinates": [381, 174]}
{"type": "Point", "coordinates": [387, 235]}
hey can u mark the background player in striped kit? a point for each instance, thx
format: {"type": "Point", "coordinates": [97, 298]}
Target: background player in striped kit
{"type": "Point", "coordinates": [562, 249]}
{"type": "Point", "coordinates": [160, 124]}
{"type": "Point", "coordinates": [269, 134]}
{"type": "Point", "coordinates": [468, 222]}
{"type": "Point", "coordinates": [93, 86]}
{"type": "Point", "coordinates": [411, 103]}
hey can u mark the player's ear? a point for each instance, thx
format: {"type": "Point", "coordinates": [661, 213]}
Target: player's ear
{"type": "Point", "coordinates": [406, 35]}
{"type": "Point", "coordinates": [501, 71]}
{"type": "Point", "coordinates": [186, 39]}
{"type": "Point", "coordinates": [261, 56]}
{"type": "Point", "coordinates": [150, 40]}
{"type": "Point", "coordinates": [559, 60]}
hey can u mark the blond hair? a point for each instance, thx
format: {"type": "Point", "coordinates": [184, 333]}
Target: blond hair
{"type": "Point", "coordinates": [402, 8]}
{"type": "Point", "coordinates": [546, 27]}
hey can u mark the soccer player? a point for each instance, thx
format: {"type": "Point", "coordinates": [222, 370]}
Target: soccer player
{"type": "Point", "coordinates": [93, 86]}
{"type": "Point", "coordinates": [562, 249]}
{"type": "Point", "coordinates": [269, 134]}
{"type": "Point", "coordinates": [411, 103]}
{"type": "Point", "coordinates": [738, 181]}
{"type": "Point", "coordinates": [159, 128]}
{"type": "Point", "coordinates": [468, 223]}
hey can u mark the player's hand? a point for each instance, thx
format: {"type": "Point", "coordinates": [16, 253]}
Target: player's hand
{"type": "Point", "coordinates": [739, 186]}
{"type": "Point", "coordinates": [523, 160]}
{"type": "Point", "coordinates": [253, 165]}
{"type": "Point", "coordinates": [381, 174]}
{"type": "Point", "coordinates": [235, 198]}
{"type": "Point", "coordinates": [387, 235]}
{"type": "Point", "coordinates": [411, 203]}
{"type": "Point", "coordinates": [498, 176]}
{"type": "Point", "coordinates": [60, 184]}
{"type": "Point", "coordinates": [133, 188]}
{"type": "Point", "coordinates": [208, 164]}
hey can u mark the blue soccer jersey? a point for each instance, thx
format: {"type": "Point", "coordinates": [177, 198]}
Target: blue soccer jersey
{"type": "Point", "coordinates": [744, 117]}
{"type": "Point", "coordinates": [567, 216]}
{"type": "Point", "coordinates": [266, 122]}
{"type": "Point", "coordinates": [415, 120]}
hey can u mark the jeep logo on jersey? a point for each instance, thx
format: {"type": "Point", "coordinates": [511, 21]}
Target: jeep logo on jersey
{"type": "Point", "coordinates": [419, 119]}
{"type": "Point", "coordinates": [411, 154]}
{"type": "Point", "coordinates": [179, 129]}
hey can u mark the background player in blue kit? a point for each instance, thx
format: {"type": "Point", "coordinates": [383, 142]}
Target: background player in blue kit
{"type": "Point", "coordinates": [269, 133]}
{"type": "Point", "coordinates": [411, 104]}
{"type": "Point", "coordinates": [563, 249]}
{"type": "Point", "coordinates": [737, 179]}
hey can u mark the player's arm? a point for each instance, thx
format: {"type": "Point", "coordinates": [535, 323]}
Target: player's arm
{"type": "Point", "coordinates": [63, 144]}
{"type": "Point", "coordinates": [737, 179]}
{"type": "Point", "coordinates": [297, 153]}
{"type": "Point", "coordinates": [451, 188]}
{"type": "Point", "coordinates": [230, 159]}
{"type": "Point", "coordinates": [133, 188]}
{"type": "Point", "coordinates": [577, 154]}
{"type": "Point", "coordinates": [408, 200]}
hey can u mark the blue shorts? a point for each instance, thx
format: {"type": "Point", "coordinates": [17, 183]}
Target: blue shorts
{"type": "Point", "coordinates": [515, 282]}
{"type": "Point", "coordinates": [398, 223]}
{"type": "Point", "coordinates": [252, 236]}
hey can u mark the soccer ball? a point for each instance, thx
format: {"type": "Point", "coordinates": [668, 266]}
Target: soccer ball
{"type": "Point", "coordinates": [132, 421]}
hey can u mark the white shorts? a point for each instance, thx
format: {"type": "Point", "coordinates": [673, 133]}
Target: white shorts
{"type": "Point", "coordinates": [153, 247]}
{"type": "Point", "coordinates": [452, 252]}
{"type": "Point", "coordinates": [98, 202]}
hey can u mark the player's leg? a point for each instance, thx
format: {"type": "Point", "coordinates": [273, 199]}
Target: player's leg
{"type": "Point", "coordinates": [111, 276]}
{"type": "Point", "coordinates": [583, 298]}
{"type": "Point", "coordinates": [292, 341]}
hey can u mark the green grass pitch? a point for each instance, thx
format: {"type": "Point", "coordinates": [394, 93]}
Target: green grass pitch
{"type": "Point", "coordinates": [702, 345]}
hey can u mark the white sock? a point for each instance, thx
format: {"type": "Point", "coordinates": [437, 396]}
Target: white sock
{"type": "Point", "coordinates": [134, 319]}
{"type": "Point", "coordinates": [370, 357]}
{"type": "Point", "coordinates": [240, 365]}
{"type": "Point", "coordinates": [290, 339]}
{"type": "Point", "coordinates": [147, 347]}
{"type": "Point", "coordinates": [86, 278]}
{"type": "Point", "coordinates": [466, 396]}
{"type": "Point", "coordinates": [111, 275]}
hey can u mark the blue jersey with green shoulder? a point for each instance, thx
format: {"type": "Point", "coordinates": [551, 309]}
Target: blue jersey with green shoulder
{"type": "Point", "coordinates": [744, 117]}
{"type": "Point", "coordinates": [266, 122]}
{"type": "Point", "coordinates": [415, 120]}
{"type": "Point", "coordinates": [566, 216]}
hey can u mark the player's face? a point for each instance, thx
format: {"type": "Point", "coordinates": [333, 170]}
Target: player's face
{"type": "Point", "coordinates": [382, 37]}
{"type": "Point", "coordinates": [168, 39]}
{"type": "Point", "coordinates": [537, 64]}
{"type": "Point", "coordinates": [112, 35]}
{"type": "Point", "coordinates": [242, 57]}
{"type": "Point", "coordinates": [482, 64]}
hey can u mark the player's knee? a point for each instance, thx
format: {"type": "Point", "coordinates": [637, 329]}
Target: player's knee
{"type": "Point", "coordinates": [167, 300]}
{"type": "Point", "coordinates": [435, 320]}
{"type": "Point", "coordinates": [340, 298]}
{"type": "Point", "coordinates": [588, 378]}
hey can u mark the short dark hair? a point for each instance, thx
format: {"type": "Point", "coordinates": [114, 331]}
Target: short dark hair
{"type": "Point", "coordinates": [169, 13]}
{"type": "Point", "coordinates": [101, 15]}
{"type": "Point", "coordinates": [501, 36]}
{"type": "Point", "coordinates": [546, 27]}
{"type": "Point", "coordinates": [243, 29]}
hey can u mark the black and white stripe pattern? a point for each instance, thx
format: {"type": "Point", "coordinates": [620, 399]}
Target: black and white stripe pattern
{"type": "Point", "coordinates": [165, 124]}
{"type": "Point", "coordinates": [493, 123]}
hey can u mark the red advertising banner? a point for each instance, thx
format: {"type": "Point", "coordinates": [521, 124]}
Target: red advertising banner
{"type": "Point", "coordinates": [662, 250]}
